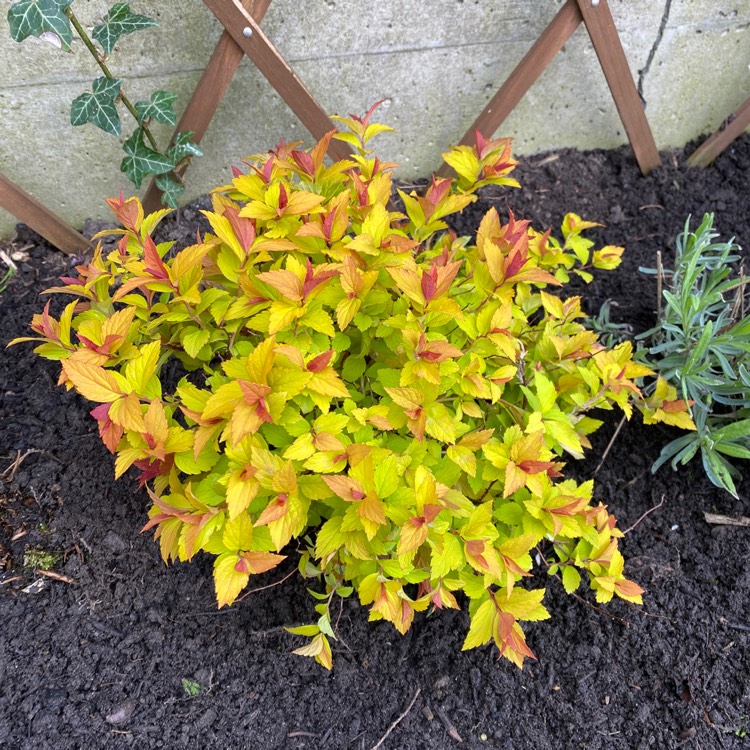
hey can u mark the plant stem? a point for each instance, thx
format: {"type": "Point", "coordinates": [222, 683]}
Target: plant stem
{"type": "Point", "coordinates": [108, 73]}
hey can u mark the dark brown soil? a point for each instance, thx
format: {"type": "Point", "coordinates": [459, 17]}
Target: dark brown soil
{"type": "Point", "coordinates": [107, 655]}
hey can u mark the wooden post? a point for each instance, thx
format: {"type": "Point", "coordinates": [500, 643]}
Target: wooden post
{"type": "Point", "coordinates": [30, 211]}
{"type": "Point", "coordinates": [208, 94]}
{"type": "Point", "coordinates": [598, 20]}
{"type": "Point", "coordinates": [242, 36]}
{"type": "Point", "coordinates": [526, 72]}
{"type": "Point", "coordinates": [254, 43]}
{"type": "Point", "coordinates": [707, 152]}
{"type": "Point", "coordinates": [606, 41]}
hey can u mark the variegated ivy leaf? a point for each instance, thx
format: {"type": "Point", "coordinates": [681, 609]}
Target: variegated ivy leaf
{"type": "Point", "coordinates": [142, 160]}
{"type": "Point", "coordinates": [119, 21]}
{"type": "Point", "coordinates": [159, 108]}
{"type": "Point", "coordinates": [182, 146]}
{"type": "Point", "coordinates": [98, 108]}
{"type": "Point", "coordinates": [36, 17]}
{"type": "Point", "coordinates": [171, 189]}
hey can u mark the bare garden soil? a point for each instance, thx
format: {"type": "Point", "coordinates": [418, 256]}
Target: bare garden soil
{"type": "Point", "coordinates": [113, 649]}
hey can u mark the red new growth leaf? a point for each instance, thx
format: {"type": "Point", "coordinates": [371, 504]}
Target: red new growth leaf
{"type": "Point", "coordinates": [45, 325]}
{"type": "Point", "coordinates": [154, 264]}
{"type": "Point", "coordinates": [437, 280]}
{"type": "Point", "coordinates": [150, 469]}
{"type": "Point", "coordinates": [304, 162]}
{"type": "Point", "coordinates": [319, 363]}
{"type": "Point", "coordinates": [439, 189]}
{"type": "Point", "coordinates": [243, 227]}
{"type": "Point", "coordinates": [429, 283]}
{"type": "Point", "coordinates": [510, 639]}
{"type": "Point", "coordinates": [536, 467]}
{"type": "Point", "coordinates": [275, 510]}
{"type": "Point", "coordinates": [431, 511]}
{"type": "Point", "coordinates": [254, 395]}
{"type": "Point", "coordinates": [109, 432]}
{"type": "Point", "coordinates": [347, 488]}
{"type": "Point", "coordinates": [436, 351]}
{"type": "Point", "coordinates": [283, 199]}
{"type": "Point", "coordinates": [315, 278]}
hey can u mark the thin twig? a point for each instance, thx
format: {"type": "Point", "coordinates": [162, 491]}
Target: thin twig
{"type": "Point", "coordinates": [448, 724]}
{"type": "Point", "coordinates": [269, 586]}
{"type": "Point", "coordinates": [718, 520]}
{"type": "Point", "coordinates": [610, 444]}
{"type": "Point", "coordinates": [579, 598]}
{"type": "Point", "coordinates": [738, 626]}
{"type": "Point", "coordinates": [56, 576]}
{"type": "Point", "coordinates": [599, 610]}
{"type": "Point", "coordinates": [650, 510]}
{"type": "Point", "coordinates": [8, 261]}
{"type": "Point", "coordinates": [12, 468]}
{"type": "Point", "coordinates": [398, 720]}
{"type": "Point", "coordinates": [10, 471]}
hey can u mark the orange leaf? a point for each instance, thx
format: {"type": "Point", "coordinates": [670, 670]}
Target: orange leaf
{"type": "Point", "coordinates": [286, 283]}
{"type": "Point", "coordinates": [371, 508]}
{"type": "Point", "coordinates": [260, 562]}
{"type": "Point", "coordinates": [92, 382]}
{"type": "Point", "coordinates": [126, 412]}
{"type": "Point", "coordinates": [275, 510]}
{"type": "Point", "coordinates": [347, 488]}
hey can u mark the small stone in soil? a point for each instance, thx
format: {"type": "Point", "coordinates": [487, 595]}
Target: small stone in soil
{"type": "Point", "coordinates": [122, 712]}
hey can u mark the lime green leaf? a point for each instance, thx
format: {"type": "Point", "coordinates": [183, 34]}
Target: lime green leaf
{"type": "Point", "coordinates": [194, 339]}
{"type": "Point", "coordinates": [141, 369]}
{"type": "Point", "coordinates": [463, 457]}
{"type": "Point", "coordinates": [482, 625]}
{"type": "Point", "coordinates": [571, 579]}
{"type": "Point", "coordinates": [308, 630]}
{"type": "Point", "coordinates": [440, 423]}
{"type": "Point", "coordinates": [525, 605]}
{"type": "Point", "coordinates": [238, 533]}
{"type": "Point", "coordinates": [387, 479]}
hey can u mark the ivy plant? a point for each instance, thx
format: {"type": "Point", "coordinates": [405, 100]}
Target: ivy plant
{"type": "Point", "coordinates": [56, 22]}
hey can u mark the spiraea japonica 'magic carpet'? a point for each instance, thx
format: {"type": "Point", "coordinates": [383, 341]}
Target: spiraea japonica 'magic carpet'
{"type": "Point", "coordinates": [357, 377]}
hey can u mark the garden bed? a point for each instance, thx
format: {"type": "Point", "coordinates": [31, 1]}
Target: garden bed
{"type": "Point", "coordinates": [112, 648]}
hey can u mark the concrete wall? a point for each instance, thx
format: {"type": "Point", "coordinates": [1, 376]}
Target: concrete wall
{"type": "Point", "coordinates": [435, 62]}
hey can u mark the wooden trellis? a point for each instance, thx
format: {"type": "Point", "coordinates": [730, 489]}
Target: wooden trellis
{"type": "Point", "coordinates": [243, 36]}
{"type": "Point", "coordinates": [707, 152]}
{"type": "Point", "coordinates": [43, 221]}
{"type": "Point", "coordinates": [597, 18]}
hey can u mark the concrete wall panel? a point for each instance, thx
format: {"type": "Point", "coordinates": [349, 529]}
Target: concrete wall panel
{"type": "Point", "coordinates": [436, 64]}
